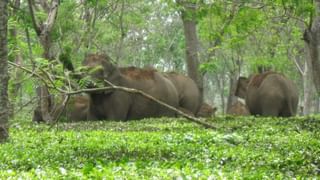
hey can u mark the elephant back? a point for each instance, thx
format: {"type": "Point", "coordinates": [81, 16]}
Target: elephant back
{"type": "Point", "coordinates": [138, 73]}
{"type": "Point", "coordinates": [256, 80]}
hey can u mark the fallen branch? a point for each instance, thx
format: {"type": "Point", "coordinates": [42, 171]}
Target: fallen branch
{"type": "Point", "coordinates": [114, 87]}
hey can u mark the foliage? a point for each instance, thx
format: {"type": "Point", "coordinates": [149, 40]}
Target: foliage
{"type": "Point", "coordinates": [242, 147]}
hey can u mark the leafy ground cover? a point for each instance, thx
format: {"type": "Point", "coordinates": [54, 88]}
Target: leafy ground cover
{"type": "Point", "coordinates": [164, 148]}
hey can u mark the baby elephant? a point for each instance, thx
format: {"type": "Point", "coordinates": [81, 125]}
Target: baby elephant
{"type": "Point", "coordinates": [238, 108]}
{"type": "Point", "coordinates": [206, 110]}
{"type": "Point", "coordinates": [75, 110]}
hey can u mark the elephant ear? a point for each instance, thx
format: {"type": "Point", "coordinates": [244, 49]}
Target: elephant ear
{"type": "Point", "coordinates": [242, 85]}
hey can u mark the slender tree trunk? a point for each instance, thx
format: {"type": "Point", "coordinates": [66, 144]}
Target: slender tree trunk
{"type": "Point", "coordinates": [312, 38]}
{"type": "Point", "coordinates": [4, 116]}
{"type": "Point", "coordinates": [316, 105]}
{"type": "Point", "coordinates": [307, 88]}
{"type": "Point", "coordinates": [16, 86]}
{"type": "Point", "coordinates": [192, 44]}
{"type": "Point", "coordinates": [232, 91]}
{"type": "Point", "coordinates": [221, 92]}
{"type": "Point", "coordinates": [119, 51]}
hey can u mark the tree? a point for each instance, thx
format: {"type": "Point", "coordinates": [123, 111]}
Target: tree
{"type": "Point", "coordinates": [312, 38]}
{"type": "Point", "coordinates": [43, 30]}
{"type": "Point", "coordinates": [189, 18]}
{"type": "Point", "coordinates": [3, 72]}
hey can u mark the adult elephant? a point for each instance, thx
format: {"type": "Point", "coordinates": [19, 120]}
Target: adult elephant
{"type": "Point", "coordinates": [188, 92]}
{"type": "Point", "coordinates": [269, 94]}
{"type": "Point", "coordinates": [121, 105]}
{"type": "Point", "coordinates": [75, 110]}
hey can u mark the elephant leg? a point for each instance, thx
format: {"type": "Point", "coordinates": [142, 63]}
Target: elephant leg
{"type": "Point", "coordinates": [270, 108]}
{"type": "Point", "coordinates": [91, 116]}
{"type": "Point", "coordinates": [270, 111]}
{"type": "Point", "coordinates": [117, 113]}
{"type": "Point", "coordinates": [288, 110]}
{"type": "Point", "coordinates": [117, 106]}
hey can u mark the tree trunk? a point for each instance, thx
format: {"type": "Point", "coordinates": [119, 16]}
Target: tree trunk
{"type": "Point", "coordinates": [16, 86]}
{"type": "Point", "coordinates": [232, 91]}
{"type": "Point", "coordinates": [316, 105]}
{"type": "Point", "coordinates": [312, 37]}
{"type": "Point", "coordinates": [3, 72]}
{"type": "Point", "coordinates": [220, 87]}
{"type": "Point", "coordinates": [307, 89]}
{"type": "Point", "coordinates": [43, 31]}
{"type": "Point", "coordinates": [188, 16]}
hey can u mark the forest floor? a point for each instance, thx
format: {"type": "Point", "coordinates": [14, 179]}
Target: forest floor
{"type": "Point", "coordinates": [164, 148]}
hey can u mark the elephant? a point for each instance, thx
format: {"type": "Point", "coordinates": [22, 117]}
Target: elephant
{"type": "Point", "coordinates": [188, 92]}
{"type": "Point", "coordinates": [75, 110]}
{"type": "Point", "coordinates": [238, 108]}
{"type": "Point", "coordinates": [122, 105]}
{"type": "Point", "coordinates": [206, 110]}
{"type": "Point", "coordinates": [269, 94]}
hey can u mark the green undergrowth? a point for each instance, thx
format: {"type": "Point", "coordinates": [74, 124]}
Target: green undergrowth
{"type": "Point", "coordinates": [164, 148]}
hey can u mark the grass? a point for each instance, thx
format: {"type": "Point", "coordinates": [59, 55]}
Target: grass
{"type": "Point", "coordinates": [164, 148]}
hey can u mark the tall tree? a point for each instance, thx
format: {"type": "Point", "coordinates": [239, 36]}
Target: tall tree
{"type": "Point", "coordinates": [189, 18]}
{"type": "Point", "coordinates": [43, 30]}
{"type": "Point", "coordinates": [17, 75]}
{"type": "Point", "coordinates": [312, 39]}
{"type": "Point", "coordinates": [3, 72]}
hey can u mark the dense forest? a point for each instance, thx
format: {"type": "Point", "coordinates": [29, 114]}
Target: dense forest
{"type": "Point", "coordinates": [64, 63]}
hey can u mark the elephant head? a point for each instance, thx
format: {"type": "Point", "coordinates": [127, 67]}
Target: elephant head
{"type": "Point", "coordinates": [269, 94]}
{"type": "Point", "coordinates": [242, 85]}
{"type": "Point", "coordinates": [100, 66]}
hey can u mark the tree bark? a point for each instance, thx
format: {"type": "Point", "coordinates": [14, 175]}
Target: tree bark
{"type": "Point", "coordinates": [4, 77]}
{"type": "Point", "coordinates": [307, 88]}
{"type": "Point", "coordinates": [188, 16]}
{"type": "Point", "coordinates": [312, 37]}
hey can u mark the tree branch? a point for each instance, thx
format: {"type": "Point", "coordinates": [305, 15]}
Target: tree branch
{"type": "Point", "coordinates": [51, 16]}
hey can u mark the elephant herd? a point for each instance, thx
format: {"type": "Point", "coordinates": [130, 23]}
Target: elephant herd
{"type": "Point", "coordinates": [266, 94]}
{"type": "Point", "coordinates": [174, 89]}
